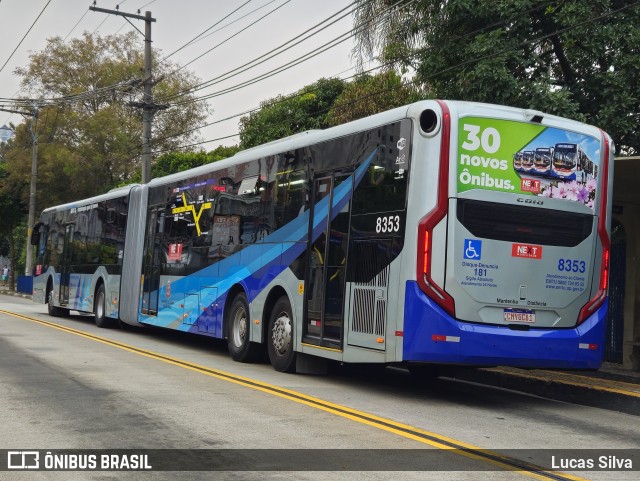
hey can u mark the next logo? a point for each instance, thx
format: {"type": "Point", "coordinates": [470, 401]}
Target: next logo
{"type": "Point", "coordinates": [526, 250]}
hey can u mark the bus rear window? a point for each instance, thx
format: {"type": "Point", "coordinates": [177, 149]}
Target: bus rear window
{"type": "Point", "coordinates": [515, 223]}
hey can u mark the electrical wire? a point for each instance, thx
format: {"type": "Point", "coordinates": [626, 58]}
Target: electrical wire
{"type": "Point", "coordinates": [436, 74]}
{"type": "Point", "coordinates": [205, 31]}
{"type": "Point", "coordinates": [234, 21]}
{"type": "Point", "coordinates": [298, 39]}
{"type": "Point", "coordinates": [25, 36]}
{"type": "Point", "coordinates": [229, 38]}
{"type": "Point", "coordinates": [74, 27]}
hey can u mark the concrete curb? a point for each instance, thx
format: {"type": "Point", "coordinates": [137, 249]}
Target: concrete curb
{"type": "Point", "coordinates": [8, 292]}
{"type": "Point", "coordinates": [569, 387]}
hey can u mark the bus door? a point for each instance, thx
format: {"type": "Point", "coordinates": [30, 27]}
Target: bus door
{"type": "Point", "coordinates": [152, 261]}
{"type": "Point", "coordinates": [65, 265]}
{"type": "Point", "coordinates": [327, 259]}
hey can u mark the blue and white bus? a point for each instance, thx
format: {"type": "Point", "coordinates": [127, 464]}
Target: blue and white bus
{"type": "Point", "coordinates": [403, 238]}
{"type": "Point", "coordinates": [542, 161]}
{"type": "Point", "coordinates": [568, 158]}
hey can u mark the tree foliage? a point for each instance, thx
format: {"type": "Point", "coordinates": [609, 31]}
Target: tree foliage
{"type": "Point", "coordinates": [283, 116]}
{"type": "Point", "coordinates": [89, 138]}
{"type": "Point", "coordinates": [370, 94]}
{"type": "Point", "coordinates": [174, 162]}
{"type": "Point", "coordinates": [574, 58]}
{"type": "Point", "coordinates": [12, 212]}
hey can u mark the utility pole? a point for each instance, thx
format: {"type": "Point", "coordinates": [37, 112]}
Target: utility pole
{"type": "Point", "coordinates": [149, 108]}
{"type": "Point", "coordinates": [147, 99]}
{"type": "Point", "coordinates": [28, 268]}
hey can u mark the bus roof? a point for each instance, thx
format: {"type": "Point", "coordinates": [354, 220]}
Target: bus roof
{"type": "Point", "coordinates": [112, 194]}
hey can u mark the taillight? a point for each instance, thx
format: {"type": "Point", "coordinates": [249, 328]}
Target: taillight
{"type": "Point", "coordinates": [428, 223]}
{"type": "Point", "coordinates": [604, 274]}
{"type": "Point", "coordinates": [425, 281]}
{"type": "Point", "coordinates": [596, 301]}
{"type": "Point", "coordinates": [426, 253]}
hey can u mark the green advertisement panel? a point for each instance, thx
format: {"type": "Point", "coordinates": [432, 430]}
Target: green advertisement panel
{"type": "Point", "coordinates": [527, 158]}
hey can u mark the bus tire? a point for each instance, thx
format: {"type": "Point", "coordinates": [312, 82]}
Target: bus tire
{"type": "Point", "coordinates": [99, 309]}
{"type": "Point", "coordinates": [238, 324]}
{"type": "Point", "coordinates": [52, 309]}
{"type": "Point", "coordinates": [280, 337]}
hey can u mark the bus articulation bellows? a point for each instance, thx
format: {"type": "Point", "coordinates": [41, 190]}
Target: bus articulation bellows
{"type": "Point", "coordinates": [416, 236]}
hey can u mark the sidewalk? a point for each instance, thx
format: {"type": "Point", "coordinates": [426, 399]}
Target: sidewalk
{"type": "Point", "coordinates": [7, 292]}
{"type": "Point", "coordinates": [609, 388]}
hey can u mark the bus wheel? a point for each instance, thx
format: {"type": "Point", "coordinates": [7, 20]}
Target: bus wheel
{"type": "Point", "coordinates": [280, 337]}
{"type": "Point", "coordinates": [52, 309]}
{"type": "Point", "coordinates": [99, 309]}
{"type": "Point", "coordinates": [238, 324]}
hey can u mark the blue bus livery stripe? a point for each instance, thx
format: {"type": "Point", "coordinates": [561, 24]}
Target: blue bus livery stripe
{"type": "Point", "coordinates": [82, 283]}
{"type": "Point", "coordinates": [253, 267]}
{"type": "Point", "coordinates": [493, 345]}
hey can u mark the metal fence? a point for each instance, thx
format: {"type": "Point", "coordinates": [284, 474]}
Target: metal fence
{"type": "Point", "coordinates": [615, 318]}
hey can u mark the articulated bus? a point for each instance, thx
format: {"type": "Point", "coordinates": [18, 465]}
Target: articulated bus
{"type": "Point", "coordinates": [405, 238]}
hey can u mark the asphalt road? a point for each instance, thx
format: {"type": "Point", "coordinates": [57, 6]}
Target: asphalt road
{"type": "Point", "coordinates": [80, 387]}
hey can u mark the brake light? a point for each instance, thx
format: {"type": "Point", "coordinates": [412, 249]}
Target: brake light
{"type": "Point", "coordinates": [604, 275]}
{"type": "Point", "coordinates": [427, 249]}
{"type": "Point", "coordinates": [429, 222]}
{"type": "Point", "coordinates": [425, 281]}
{"type": "Point", "coordinates": [596, 301]}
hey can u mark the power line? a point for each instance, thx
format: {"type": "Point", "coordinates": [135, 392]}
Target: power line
{"type": "Point", "coordinates": [109, 89]}
{"type": "Point", "coordinates": [127, 20]}
{"type": "Point", "coordinates": [429, 77]}
{"type": "Point", "coordinates": [105, 18]}
{"type": "Point", "coordinates": [328, 46]}
{"type": "Point", "coordinates": [416, 81]}
{"type": "Point", "coordinates": [229, 38]}
{"type": "Point", "coordinates": [285, 98]}
{"type": "Point", "coordinates": [25, 35]}
{"type": "Point", "coordinates": [298, 39]}
{"type": "Point", "coordinates": [386, 90]}
{"type": "Point", "coordinates": [234, 21]}
{"type": "Point", "coordinates": [205, 31]}
{"type": "Point", "coordinates": [146, 4]}
{"type": "Point", "coordinates": [74, 27]}
{"type": "Point", "coordinates": [292, 63]}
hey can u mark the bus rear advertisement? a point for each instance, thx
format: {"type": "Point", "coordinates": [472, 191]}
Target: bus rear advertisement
{"type": "Point", "coordinates": [439, 233]}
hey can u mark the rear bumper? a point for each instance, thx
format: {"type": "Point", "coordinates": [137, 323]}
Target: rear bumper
{"type": "Point", "coordinates": [432, 335]}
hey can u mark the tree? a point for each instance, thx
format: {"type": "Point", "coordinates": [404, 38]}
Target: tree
{"type": "Point", "coordinates": [173, 162]}
{"type": "Point", "coordinates": [368, 95]}
{"type": "Point", "coordinates": [573, 58]}
{"type": "Point", "coordinates": [12, 212]}
{"type": "Point", "coordinates": [283, 116]}
{"type": "Point", "coordinates": [4, 247]}
{"type": "Point", "coordinates": [89, 138]}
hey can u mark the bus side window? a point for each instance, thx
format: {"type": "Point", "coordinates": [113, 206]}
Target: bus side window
{"type": "Point", "coordinates": [291, 197]}
{"type": "Point", "coordinates": [379, 191]}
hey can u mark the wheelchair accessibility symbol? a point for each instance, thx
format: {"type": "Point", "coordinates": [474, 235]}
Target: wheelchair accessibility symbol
{"type": "Point", "coordinates": [472, 249]}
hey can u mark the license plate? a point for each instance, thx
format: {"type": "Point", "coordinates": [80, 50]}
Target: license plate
{"type": "Point", "coordinates": [519, 315]}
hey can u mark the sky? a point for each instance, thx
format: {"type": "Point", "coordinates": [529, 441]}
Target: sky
{"type": "Point", "coordinates": [178, 22]}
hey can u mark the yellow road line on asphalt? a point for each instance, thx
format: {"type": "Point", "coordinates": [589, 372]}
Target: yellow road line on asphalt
{"type": "Point", "coordinates": [385, 424]}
